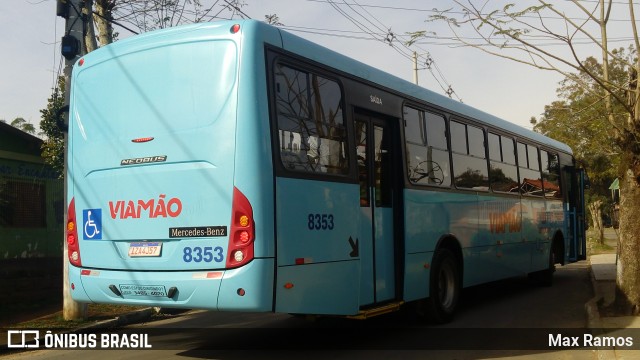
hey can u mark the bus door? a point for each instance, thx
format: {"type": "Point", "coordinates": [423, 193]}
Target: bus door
{"type": "Point", "coordinates": [575, 211]}
{"type": "Point", "coordinates": [376, 154]}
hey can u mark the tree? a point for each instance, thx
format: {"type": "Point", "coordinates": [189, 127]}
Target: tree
{"type": "Point", "coordinates": [273, 19]}
{"type": "Point", "coordinates": [101, 20]}
{"type": "Point", "coordinates": [53, 146]}
{"type": "Point", "coordinates": [138, 16]}
{"type": "Point", "coordinates": [22, 124]}
{"type": "Point", "coordinates": [520, 32]}
{"type": "Point", "coordinates": [576, 120]}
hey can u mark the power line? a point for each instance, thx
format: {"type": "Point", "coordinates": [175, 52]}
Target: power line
{"type": "Point", "coordinates": [145, 16]}
{"type": "Point", "coordinates": [341, 33]}
{"type": "Point", "coordinates": [237, 8]}
{"type": "Point", "coordinates": [325, 33]}
{"type": "Point", "coordinates": [391, 38]}
{"type": "Point", "coordinates": [398, 8]}
{"type": "Point", "coordinates": [114, 22]}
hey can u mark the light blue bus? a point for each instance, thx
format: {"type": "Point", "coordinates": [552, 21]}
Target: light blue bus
{"type": "Point", "coordinates": [235, 166]}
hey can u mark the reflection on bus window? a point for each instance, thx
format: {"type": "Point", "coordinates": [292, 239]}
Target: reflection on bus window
{"type": "Point", "coordinates": [550, 174]}
{"type": "Point", "coordinates": [503, 173]}
{"type": "Point", "coordinates": [312, 133]}
{"type": "Point", "coordinates": [427, 161]}
{"type": "Point", "coordinates": [469, 164]}
{"type": "Point", "coordinates": [531, 183]}
{"type": "Point", "coordinates": [361, 154]}
{"type": "Point", "coordinates": [382, 164]}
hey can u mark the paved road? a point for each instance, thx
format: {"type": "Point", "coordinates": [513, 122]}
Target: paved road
{"type": "Point", "coordinates": [491, 316]}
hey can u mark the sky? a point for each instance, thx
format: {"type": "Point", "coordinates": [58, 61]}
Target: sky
{"type": "Point", "coordinates": [30, 60]}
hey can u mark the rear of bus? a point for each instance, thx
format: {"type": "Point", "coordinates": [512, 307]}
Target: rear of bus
{"type": "Point", "coordinates": [166, 205]}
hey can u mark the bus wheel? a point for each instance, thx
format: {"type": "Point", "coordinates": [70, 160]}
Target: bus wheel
{"type": "Point", "coordinates": [444, 287]}
{"type": "Point", "coordinates": [546, 276]}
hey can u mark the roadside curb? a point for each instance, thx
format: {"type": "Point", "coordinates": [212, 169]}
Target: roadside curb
{"type": "Point", "coordinates": [594, 321]}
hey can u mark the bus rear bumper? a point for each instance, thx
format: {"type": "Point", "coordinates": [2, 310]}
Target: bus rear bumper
{"type": "Point", "coordinates": [247, 288]}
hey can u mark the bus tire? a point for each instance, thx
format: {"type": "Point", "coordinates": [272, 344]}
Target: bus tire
{"type": "Point", "coordinates": [545, 277]}
{"type": "Point", "coordinates": [444, 286]}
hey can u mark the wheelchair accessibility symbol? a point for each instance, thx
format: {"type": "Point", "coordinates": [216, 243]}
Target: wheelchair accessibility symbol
{"type": "Point", "coordinates": [92, 220]}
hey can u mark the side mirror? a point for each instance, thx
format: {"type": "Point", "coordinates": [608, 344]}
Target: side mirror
{"type": "Point", "coordinates": [59, 121]}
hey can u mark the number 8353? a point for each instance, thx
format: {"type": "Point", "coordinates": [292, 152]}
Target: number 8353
{"type": "Point", "coordinates": [320, 222]}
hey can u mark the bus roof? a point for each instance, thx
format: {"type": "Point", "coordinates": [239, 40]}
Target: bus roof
{"type": "Point", "coordinates": [348, 65]}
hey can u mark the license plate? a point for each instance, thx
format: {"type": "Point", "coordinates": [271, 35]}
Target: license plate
{"type": "Point", "coordinates": [143, 290]}
{"type": "Point", "coordinates": [141, 249]}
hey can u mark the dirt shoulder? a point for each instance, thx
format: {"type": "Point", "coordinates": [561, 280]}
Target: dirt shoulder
{"type": "Point", "coordinates": [53, 319]}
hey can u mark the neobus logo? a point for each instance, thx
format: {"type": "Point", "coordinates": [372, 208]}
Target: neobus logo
{"type": "Point", "coordinates": [150, 208]}
{"type": "Point", "coordinates": [144, 160]}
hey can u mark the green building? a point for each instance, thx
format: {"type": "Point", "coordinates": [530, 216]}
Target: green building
{"type": "Point", "coordinates": [31, 200]}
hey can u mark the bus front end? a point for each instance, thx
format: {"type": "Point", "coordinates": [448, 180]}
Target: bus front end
{"type": "Point", "coordinates": [156, 216]}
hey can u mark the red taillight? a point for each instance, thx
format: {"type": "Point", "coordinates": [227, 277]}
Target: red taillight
{"type": "Point", "coordinates": [235, 28]}
{"type": "Point", "coordinates": [73, 247]}
{"type": "Point", "coordinates": [242, 232]}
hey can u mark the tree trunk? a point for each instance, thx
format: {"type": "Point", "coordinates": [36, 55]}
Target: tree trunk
{"type": "Point", "coordinates": [595, 208]}
{"type": "Point", "coordinates": [105, 30]}
{"type": "Point", "coordinates": [604, 19]}
{"type": "Point", "coordinates": [628, 271]}
{"type": "Point", "coordinates": [90, 36]}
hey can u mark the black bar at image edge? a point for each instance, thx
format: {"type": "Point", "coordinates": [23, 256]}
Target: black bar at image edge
{"type": "Point", "coordinates": [347, 338]}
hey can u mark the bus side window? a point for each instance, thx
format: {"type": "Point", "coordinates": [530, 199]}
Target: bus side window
{"type": "Point", "coordinates": [522, 156]}
{"type": "Point", "coordinates": [494, 147]}
{"type": "Point", "coordinates": [427, 154]}
{"type": "Point", "coordinates": [530, 177]}
{"type": "Point", "coordinates": [551, 174]}
{"type": "Point", "coordinates": [503, 172]}
{"type": "Point", "coordinates": [469, 159]}
{"type": "Point", "coordinates": [532, 152]}
{"type": "Point", "coordinates": [311, 129]}
{"type": "Point", "coordinates": [438, 149]}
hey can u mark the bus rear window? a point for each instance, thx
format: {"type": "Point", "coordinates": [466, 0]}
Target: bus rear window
{"type": "Point", "coordinates": [311, 132]}
{"type": "Point", "coordinates": [165, 89]}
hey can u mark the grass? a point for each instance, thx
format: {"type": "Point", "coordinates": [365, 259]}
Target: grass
{"type": "Point", "coordinates": [95, 312]}
{"type": "Point", "coordinates": [596, 248]}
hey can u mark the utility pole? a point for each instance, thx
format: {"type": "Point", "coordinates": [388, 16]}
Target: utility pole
{"type": "Point", "coordinates": [71, 48]}
{"type": "Point", "coordinates": [415, 68]}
